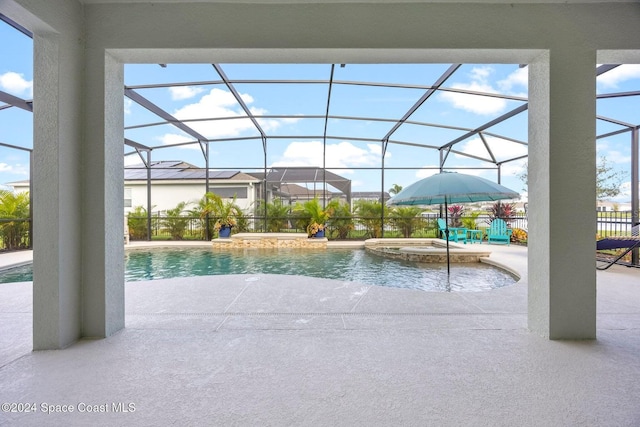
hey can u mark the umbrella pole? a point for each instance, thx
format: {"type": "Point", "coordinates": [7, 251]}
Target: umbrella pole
{"type": "Point", "coordinates": [446, 232]}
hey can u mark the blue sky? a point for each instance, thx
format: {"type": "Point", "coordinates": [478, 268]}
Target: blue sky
{"type": "Point", "coordinates": [354, 146]}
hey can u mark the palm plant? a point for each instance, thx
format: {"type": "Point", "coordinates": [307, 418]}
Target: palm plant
{"type": "Point", "coordinates": [395, 189]}
{"type": "Point", "coordinates": [370, 215]}
{"type": "Point", "coordinates": [175, 223]}
{"type": "Point", "coordinates": [277, 215]}
{"type": "Point", "coordinates": [405, 218]}
{"type": "Point", "coordinates": [469, 222]}
{"type": "Point", "coordinates": [212, 207]}
{"type": "Point", "coordinates": [313, 215]}
{"type": "Point", "coordinates": [14, 219]}
{"type": "Point", "coordinates": [137, 223]}
{"type": "Point", "coordinates": [341, 223]}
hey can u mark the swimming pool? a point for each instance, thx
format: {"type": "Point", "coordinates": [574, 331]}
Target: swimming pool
{"type": "Point", "coordinates": [339, 264]}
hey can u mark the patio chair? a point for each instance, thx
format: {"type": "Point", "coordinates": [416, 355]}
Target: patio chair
{"type": "Point", "coordinates": [628, 243]}
{"type": "Point", "coordinates": [498, 232]}
{"type": "Point", "coordinates": [456, 234]}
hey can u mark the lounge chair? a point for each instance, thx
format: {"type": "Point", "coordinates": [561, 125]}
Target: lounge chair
{"type": "Point", "coordinates": [617, 242]}
{"type": "Point", "coordinates": [498, 232]}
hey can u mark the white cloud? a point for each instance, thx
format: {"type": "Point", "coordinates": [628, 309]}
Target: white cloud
{"type": "Point", "coordinates": [519, 77]}
{"type": "Point", "coordinates": [605, 148]}
{"type": "Point", "coordinates": [476, 104]}
{"type": "Point", "coordinates": [173, 138]}
{"type": "Point", "coordinates": [602, 145]}
{"type": "Point", "coordinates": [482, 105]}
{"type": "Point", "coordinates": [620, 74]}
{"type": "Point", "coordinates": [184, 92]}
{"type": "Point", "coordinates": [502, 149]}
{"type": "Point", "coordinates": [16, 84]}
{"type": "Point", "coordinates": [430, 170]}
{"type": "Point", "coordinates": [341, 155]}
{"type": "Point", "coordinates": [515, 168]}
{"type": "Point", "coordinates": [480, 82]}
{"type": "Point", "coordinates": [221, 103]}
{"type": "Point", "coordinates": [615, 156]}
{"type": "Point", "coordinates": [481, 73]}
{"type": "Point", "coordinates": [427, 171]}
{"type": "Point", "coordinates": [132, 159]}
{"type": "Point", "coordinates": [15, 169]}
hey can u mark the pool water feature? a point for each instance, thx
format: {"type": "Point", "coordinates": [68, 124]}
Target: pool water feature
{"type": "Point", "coordinates": [338, 264]}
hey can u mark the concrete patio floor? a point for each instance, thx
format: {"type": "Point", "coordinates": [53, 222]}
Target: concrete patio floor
{"type": "Point", "coordinates": [290, 350]}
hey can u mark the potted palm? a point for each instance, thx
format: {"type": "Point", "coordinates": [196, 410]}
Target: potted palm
{"type": "Point", "coordinates": [314, 216]}
{"type": "Point", "coordinates": [225, 213]}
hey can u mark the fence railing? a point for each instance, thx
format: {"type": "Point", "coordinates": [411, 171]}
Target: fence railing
{"type": "Point", "coordinates": [342, 228]}
{"type": "Point", "coordinates": [15, 233]}
{"type": "Point", "coordinates": [615, 223]}
{"type": "Point", "coordinates": [355, 227]}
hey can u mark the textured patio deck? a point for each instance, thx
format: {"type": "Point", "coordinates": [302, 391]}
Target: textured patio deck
{"type": "Point", "coordinates": [290, 350]}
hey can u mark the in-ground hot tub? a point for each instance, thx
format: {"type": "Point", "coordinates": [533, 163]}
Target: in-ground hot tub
{"type": "Point", "coordinates": [425, 250]}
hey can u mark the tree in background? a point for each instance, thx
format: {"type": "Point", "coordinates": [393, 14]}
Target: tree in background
{"type": "Point", "coordinates": [370, 215]}
{"type": "Point", "coordinates": [341, 223]}
{"type": "Point", "coordinates": [608, 180]}
{"type": "Point", "coordinates": [405, 218]}
{"type": "Point", "coordinates": [395, 189]}
{"type": "Point", "coordinates": [137, 222]}
{"type": "Point", "coordinates": [14, 219]}
{"type": "Point", "coordinates": [277, 214]}
{"type": "Point", "coordinates": [175, 223]}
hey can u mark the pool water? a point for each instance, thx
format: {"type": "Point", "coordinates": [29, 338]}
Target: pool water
{"type": "Point", "coordinates": [348, 264]}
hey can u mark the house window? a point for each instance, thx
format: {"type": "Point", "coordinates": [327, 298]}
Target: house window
{"type": "Point", "coordinates": [127, 197]}
{"type": "Point", "coordinates": [230, 192]}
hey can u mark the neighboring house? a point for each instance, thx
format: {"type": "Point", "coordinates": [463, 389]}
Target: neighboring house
{"type": "Point", "coordinates": [291, 194]}
{"type": "Point", "coordinates": [18, 186]}
{"type": "Point", "coordinates": [295, 184]}
{"type": "Point", "coordinates": [173, 182]}
{"type": "Point", "coordinates": [607, 206]}
{"type": "Point", "coordinates": [369, 195]}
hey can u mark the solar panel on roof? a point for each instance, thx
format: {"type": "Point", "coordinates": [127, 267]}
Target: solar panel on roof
{"type": "Point", "coordinates": [163, 174]}
{"type": "Point", "coordinates": [222, 174]}
{"type": "Point", "coordinates": [164, 164]}
{"type": "Point", "coordinates": [192, 175]}
{"type": "Point", "coordinates": [135, 174]}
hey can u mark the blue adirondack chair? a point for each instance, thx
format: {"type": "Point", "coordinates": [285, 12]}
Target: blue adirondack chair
{"type": "Point", "coordinates": [498, 232]}
{"type": "Point", "coordinates": [455, 234]}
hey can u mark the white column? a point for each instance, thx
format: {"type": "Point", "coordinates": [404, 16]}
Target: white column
{"type": "Point", "coordinates": [77, 181]}
{"type": "Point", "coordinates": [57, 313]}
{"type": "Point", "coordinates": [103, 196]}
{"type": "Point", "coordinates": [562, 219]}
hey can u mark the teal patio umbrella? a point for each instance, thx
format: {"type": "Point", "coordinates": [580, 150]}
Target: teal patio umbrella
{"type": "Point", "coordinates": [451, 187]}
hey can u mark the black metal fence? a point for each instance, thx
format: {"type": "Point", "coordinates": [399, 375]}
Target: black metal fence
{"type": "Point", "coordinates": [15, 233]}
{"type": "Point", "coordinates": [352, 228]}
{"type": "Point", "coordinates": [338, 228]}
{"type": "Point", "coordinates": [616, 223]}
